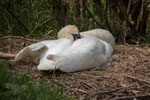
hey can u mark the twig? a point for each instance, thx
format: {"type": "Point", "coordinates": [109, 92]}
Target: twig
{"type": "Point", "coordinates": [9, 27]}
{"type": "Point", "coordinates": [72, 89]}
{"type": "Point", "coordinates": [107, 92]}
{"type": "Point", "coordinates": [92, 16]}
{"type": "Point", "coordinates": [129, 7]}
{"type": "Point", "coordinates": [135, 78]}
{"type": "Point", "coordinates": [38, 25]}
{"type": "Point", "coordinates": [76, 89]}
{"type": "Point", "coordinates": [46, 21]}
{"type": "Point", "coordinates": [143, 97]}
{"type": "Point", "coordinates": [86, 84]}
{"type": "Point", "coordinates": [7, 55]}
{"type": "Point", "coordinates": [79, 90]}
{"type": "Point", "coordinates": [17, 37]}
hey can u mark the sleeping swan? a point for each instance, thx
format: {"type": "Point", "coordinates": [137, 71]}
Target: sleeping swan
{"type": "Point", "coordinates": [80, 52]}
{"type": "Point", "coordinates": [68, 55]}
{"type": "Point", "coordinates": [98, 33]}
{"type": "Point", "coordinates": [84, 53]}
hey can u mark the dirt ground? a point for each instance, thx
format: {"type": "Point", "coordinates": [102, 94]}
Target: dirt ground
{"type": "Point", "coordinates": [125, 77]}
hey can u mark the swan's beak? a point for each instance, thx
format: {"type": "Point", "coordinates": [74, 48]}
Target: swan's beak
{"type": "Point", "coordinates": [76, 36]}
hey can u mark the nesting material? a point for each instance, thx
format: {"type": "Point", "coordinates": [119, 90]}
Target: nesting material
{"type": "Point", "coordinates": [126, 75]}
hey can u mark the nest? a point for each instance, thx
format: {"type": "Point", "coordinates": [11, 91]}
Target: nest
{"type": "Point", "coordinates": [125, 76]}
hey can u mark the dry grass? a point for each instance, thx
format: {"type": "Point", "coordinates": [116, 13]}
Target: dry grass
{"type": "Point", "coordinates": [126, 74]}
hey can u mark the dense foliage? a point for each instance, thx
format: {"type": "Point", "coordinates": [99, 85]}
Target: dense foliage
{"type": "Point", "coordinates": [128, 20]}
{"type": "Point", "coordinates": [17, 86]}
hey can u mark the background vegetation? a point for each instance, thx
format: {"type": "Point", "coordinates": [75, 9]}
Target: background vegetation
{"type": "Point", "coordinates": [128, 20]}
{"type": "Point", "coordinates": [18, 86]}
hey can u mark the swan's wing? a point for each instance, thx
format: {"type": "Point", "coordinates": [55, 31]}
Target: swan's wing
{"type": "Point", "coordinates": [107, 48]}
{"type": "Point", "coordinates": [34, 51]}
{"type": "Point", "coordinates": [101, 34]}
{"type": "Point", "coordinates": [83, 54]}
{"type": "Point", "coordinates": [58, 46]}
{"type": "Point", "coordinates": [31, 52]}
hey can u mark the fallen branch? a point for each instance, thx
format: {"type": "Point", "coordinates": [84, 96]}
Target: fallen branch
{"type": "Point", "coordinates": [135, 78]}
{"type": "Point", "coordinates": [7, 55]}
{"type": "Point", "coordinates": [143, 97]}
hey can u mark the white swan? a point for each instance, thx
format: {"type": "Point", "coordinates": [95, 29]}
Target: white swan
{"type": "Point", "coordinates": [68, 55]}
{"type": "Point", "coordinates": [98, 33]}
{"type": "Point", "coordinates": [84, 53]}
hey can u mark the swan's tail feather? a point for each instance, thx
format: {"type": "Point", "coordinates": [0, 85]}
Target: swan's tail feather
{"type": "Point", "coordinates": [22, 54]}
{"type": "Point", "coordinates": [31, 52]}
{"type": "Point", "coordinates": [46, 65]}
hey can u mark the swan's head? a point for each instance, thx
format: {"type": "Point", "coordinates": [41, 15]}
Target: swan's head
{"type": "Point", "coordinates": [76, 36]}
{"type": "Point", "coordinates": [67, 32]}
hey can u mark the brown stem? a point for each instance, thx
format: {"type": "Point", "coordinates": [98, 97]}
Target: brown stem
{"type": "Point", "coordinates": [92, 16]}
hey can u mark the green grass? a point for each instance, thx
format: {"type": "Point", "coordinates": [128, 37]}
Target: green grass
{"type": "Point", "coordinates": [15, 86]}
